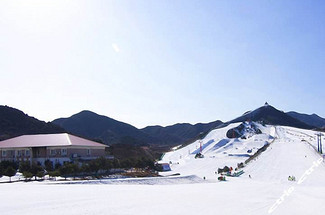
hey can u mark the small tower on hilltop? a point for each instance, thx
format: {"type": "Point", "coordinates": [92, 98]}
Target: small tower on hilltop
{"type": "Point", "coordinates": [266, 104]}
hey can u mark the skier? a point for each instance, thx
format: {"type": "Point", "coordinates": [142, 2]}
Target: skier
{"type": "Point", "coordinates": [249, 176]}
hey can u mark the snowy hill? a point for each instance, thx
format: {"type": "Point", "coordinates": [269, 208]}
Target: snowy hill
{"type": "Point", "coordinates": [291, 152]}
{"type": "Point", "coordinates": [218, 151]}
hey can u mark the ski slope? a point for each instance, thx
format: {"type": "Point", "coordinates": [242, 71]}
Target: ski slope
{"type": "Point", "coordinates": [292, 152]}
{"type": "Point", "coordinates": [218, 151]}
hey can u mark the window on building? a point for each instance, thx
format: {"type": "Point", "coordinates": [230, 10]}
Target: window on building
{"type": "Point", "coordinates": [88, 151]}
{"type": "Point", "coordinates": [18, 153]}
{"type": "Point", "coordinates": [52, 152]}
{"type": "Point", "coordinates": [27, 153]}
{"type": "Point", "coordinates": [4, 153]}
{"type": "Point", "coordinates": [64, 151]}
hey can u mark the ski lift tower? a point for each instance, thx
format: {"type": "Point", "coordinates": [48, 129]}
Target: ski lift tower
{"type": "Point", "coordinates": [200, 141]}
{"type": "Point", "coordinates": [319, 142]}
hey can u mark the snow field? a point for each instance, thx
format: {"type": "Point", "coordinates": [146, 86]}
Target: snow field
{"type": "Point", "coordinates": [243, 196]}
{"type": "Point", "coordinates": [291, 153]}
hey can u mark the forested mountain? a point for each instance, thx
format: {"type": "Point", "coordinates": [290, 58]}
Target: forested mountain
{"type": "Point", "coordinates": [110, 131]}
{"type": "Point", "coordinates": [313, 119]}
{"type": "Point", "coordinates": [14, 122]}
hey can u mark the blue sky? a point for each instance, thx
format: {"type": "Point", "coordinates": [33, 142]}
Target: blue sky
{"type": "Point", "coordinates": [161, 62]}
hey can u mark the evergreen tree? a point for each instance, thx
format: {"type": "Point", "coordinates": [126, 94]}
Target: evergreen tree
{"type": "Point", "coordinates": [116, 163]}
{"type": "Point", "coordinates": [27, 175]}
{"type": "Point", "coordinates": [48, 165]}
{"type": "Point", "coordinates": [35, 168]}
{"type": "Point", "coordinates": [94, 166]}
{"type": "Point", "coordinates": [40, 174]}
{"type": "Point", "coordinates": [10, 171]}
{"type": "Point", "coordinates": [24, 166]}
{"type": "Point", "coordinates": [54, 174]}
{"type": "Point", "coordinates": [69, 169]}
{"type": "Point", "coordinates": [65, 170]}
{"type": "Point", "coordinates": [75, 169]}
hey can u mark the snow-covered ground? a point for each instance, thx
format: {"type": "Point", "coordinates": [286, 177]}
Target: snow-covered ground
{"type": "Point", "coordinates": [242, 196]}
{"type": "Point", "coordinates": [267, 191]}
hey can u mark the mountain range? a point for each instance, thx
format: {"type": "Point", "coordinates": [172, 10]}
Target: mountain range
{"type": "Point", "coordinates": [110, 131]}
{"type": "Point", "coordinates": [90, 125]}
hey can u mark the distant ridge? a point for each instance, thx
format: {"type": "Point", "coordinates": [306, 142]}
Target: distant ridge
{"type": "Point", "coordinates": [110, 131]}
{"type": "Point", "coordinates": [312, 119]}
{"type": "Point", "coordinates": [14, 122]}
{"type": "Point", "coordinates": [179, 133]}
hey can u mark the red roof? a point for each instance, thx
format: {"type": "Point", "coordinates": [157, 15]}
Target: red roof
{"type": "Point", "coordinates": [48, 140]}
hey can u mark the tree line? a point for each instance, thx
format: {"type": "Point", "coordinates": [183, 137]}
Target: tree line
{"type": "Point", "coordinates": [95, 168]}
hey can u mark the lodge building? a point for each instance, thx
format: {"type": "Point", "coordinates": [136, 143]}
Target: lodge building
{"type": "Point", "coordinates": [58, 148]}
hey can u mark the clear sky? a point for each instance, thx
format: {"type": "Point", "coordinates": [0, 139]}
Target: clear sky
{"type": "Point", "coordinates": [161, 62]}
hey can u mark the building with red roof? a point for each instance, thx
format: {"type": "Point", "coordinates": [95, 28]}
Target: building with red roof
{"type": "Point", "coordinates": [58, 148]}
